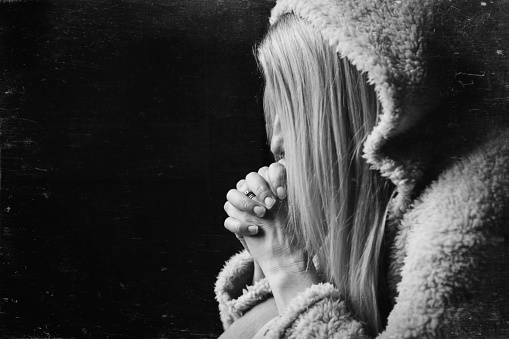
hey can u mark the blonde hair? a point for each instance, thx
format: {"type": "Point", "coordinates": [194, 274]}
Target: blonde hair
{"type": "Point", "coordinates": [336, 203]}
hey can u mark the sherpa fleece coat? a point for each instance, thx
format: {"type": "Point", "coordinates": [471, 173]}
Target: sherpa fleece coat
{"type": "Point", "coordinates": [442, 139]}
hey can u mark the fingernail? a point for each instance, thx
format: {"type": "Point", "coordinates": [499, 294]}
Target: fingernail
{"type": "Point", "coordinates": [269, 202]}
{"type": "Point", "coordinates": [259, 211]}
{"type": "Point", "coordinates": [252, 229]}
{"type": "Point", "coordinates": [281, 193]}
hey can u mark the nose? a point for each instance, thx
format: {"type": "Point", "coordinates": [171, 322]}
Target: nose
{"type": "Point", "coordinates": [276, 142]}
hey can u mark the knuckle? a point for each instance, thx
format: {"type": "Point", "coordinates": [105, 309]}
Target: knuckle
{"type": "Point", "coordinates": [240, 184]}
{"type": "Point", "coordinates": [260, 191]}
{"type": "Point", "coordinates": [277, 170]}
{"type": "Point", "coordinates": [232, 225]}
{"type": "Point", "coordinates": [227, 223]}
{"type": "Point", "coordinates": [274, 166]}
{"type": "Point", "coordinates": [251, 176]}
{"type": "Point", "coordinates": [277, 175]}
{"type": "Point", "coordinates": [263, 170]}
{"type": "Point", "coordinates": [246, 204]}
{"type": "Point", "coordinates": [230, 194]}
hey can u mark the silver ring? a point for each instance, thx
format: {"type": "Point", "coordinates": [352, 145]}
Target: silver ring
{"type": "Point", "coordinates": [249, 194]}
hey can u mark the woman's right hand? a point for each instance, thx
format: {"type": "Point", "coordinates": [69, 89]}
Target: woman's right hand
{"type": "Point", "coordinates": [286, 266]}
{"type": "Point", "coordinates": [272, 189]}
{"type": "Point", "coordinates": [267, 193]}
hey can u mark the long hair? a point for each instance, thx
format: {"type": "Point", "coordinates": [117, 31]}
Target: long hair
{"type": "Point", "coordinates": [336, 204]}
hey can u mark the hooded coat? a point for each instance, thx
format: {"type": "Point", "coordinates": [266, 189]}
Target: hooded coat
{"type": "Point", "coordinates": [442, 139]}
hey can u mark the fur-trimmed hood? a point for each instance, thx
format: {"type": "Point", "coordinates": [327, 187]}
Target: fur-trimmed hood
{"type": "Point", "coordinates": [416, 54]}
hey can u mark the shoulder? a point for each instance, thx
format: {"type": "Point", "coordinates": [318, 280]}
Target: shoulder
{"type": "Point", "coordinates": [468, 199]}
{"type": "Point", "coordinates": [470, 194]}
{"type": "Point", "coordinates": [483, 170]}
{"type": "Point", "coordinates": [451, 230]}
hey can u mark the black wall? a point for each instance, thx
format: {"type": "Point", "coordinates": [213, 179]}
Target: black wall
{"type": "Point", "coordinates": [124, 123]}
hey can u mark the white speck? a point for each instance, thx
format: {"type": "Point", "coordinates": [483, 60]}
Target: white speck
{"type": "Point", "coordinates": [499, 52]}
{"type": "Point", "coordinates": [483, 3]}
{"type": "Point", "coordinates": [7, 209]}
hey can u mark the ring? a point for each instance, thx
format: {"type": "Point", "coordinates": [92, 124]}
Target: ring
{"type": "Point", "coordinates": [249, 194]}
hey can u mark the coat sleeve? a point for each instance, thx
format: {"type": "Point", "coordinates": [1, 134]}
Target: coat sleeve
{"type": "Point", "coordinates": [319, 312]}
{"type": "Point", "coordinates": [234, 291]}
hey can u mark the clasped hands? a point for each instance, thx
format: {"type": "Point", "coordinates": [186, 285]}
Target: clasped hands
{"type": "Point", "coordinates": [261, 225]}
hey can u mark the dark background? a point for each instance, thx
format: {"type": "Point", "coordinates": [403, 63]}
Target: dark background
{"type": "Point", "coordinates": [124, 123]}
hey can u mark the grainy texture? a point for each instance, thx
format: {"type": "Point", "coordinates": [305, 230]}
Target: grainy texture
{"type": "Point", "coordinates": [123, 126]}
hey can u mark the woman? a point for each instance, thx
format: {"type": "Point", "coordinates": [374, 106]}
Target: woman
{"type": "Point", "coordinates": [357, 93]}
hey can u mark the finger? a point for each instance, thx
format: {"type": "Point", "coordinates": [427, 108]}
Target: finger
{"type": "Point", "coordinates": [244, 217]}
{"type": "Point", "coordinates": [243, 189]}
{"type": "Point", "coordinates": [241, 184]}
{"type": "Point", "coordinates": [244, 203]}
{"type": "Point", "coordinates": [256, 183]}
{"type": "Point", "coordinates": [277, 179]}
{"type": "Point", "coordinates": [263, 172]}
{"type": "Point", "coordinates": [239, 228]}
